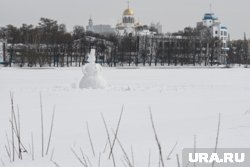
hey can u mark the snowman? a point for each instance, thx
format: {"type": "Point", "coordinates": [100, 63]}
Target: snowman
{"type": "Point", "coordinates": [91, 74]}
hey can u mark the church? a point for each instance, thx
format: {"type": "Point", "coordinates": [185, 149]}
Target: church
{"type": "Point", "coordinates": [129, 26]}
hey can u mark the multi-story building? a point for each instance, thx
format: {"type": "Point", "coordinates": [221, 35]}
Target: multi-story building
{"type": "Point", "coordinates": [218, 30]}
{"type": "Point", "coordinates": [100, 28]}
{"type": "Point", "coordinates": [157, 26]}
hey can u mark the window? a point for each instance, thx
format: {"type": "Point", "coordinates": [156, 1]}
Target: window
{"type": "Point", "coordinates": [124, 20]}
{"type": "Point", "coordinates": [216, 32]}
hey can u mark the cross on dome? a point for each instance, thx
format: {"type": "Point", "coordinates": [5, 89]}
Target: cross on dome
{"type": "Point", "coordinates": [128, 11]}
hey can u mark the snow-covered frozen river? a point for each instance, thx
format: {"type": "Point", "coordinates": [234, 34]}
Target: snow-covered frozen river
{"type": "Point", "coordinates": [184, 103]}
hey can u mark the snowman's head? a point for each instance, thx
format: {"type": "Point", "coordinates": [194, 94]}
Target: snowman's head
{"type": "Point", "coordinates": [91, 57]}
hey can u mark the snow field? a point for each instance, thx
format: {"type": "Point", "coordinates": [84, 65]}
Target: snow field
{"type": "Point", "coordinates": [184, 103]}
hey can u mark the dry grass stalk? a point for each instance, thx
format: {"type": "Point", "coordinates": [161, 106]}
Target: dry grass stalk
{"type": "Point", "coordinates": [8, 149]}
{"type": "Point", "coordinates": [52, 154]}
{"type": "Point", "coordinates": [42, 129]}
{"type": "Point", "coordinates": [79, 159]}
{"type": "Point", "coordinates": [8, 152]}
{"type": "Point", "coordinates": [132, 155]}
{"type": "Point", "coordinates": [51, 129]}
{"type": "Point", "coordinates": [83, 157]}
{"type": "Point", "coordinates": [90, 139]}
{"type": "Point", "coordinates": [116, 132]}
{"type": "Point", "coordinates": [126, 157]}
{"type": "Point", "coordinates": [99, 160]}
{"type": "Point", "coordinates": [217, 136]}
{"type": "Point", "coordinates": [149, 159]}
{"type": "Point", "coordinates": [124, 162]}
{"type": "Point", "coordinates": [105, 147]}
{"type": "Point", "coordinates": [88, 160]}
{"type": "Point", "coordinates": [56, 164]}
{"type": "Point", "coordinates": [109, 141]}
{"type": "Point", "coordinates": [19, 129]}
{"type": "Point", "coordinates": [156, 138]}
{"type": "Point", "coordinates": [12, 127]}
{"type": "Point", "coordinates": [172, 150]}
{"type": "Point", "coordinates": [194, 148]}
{"type": "Point", "coordinates": [178, 160]}
{"type": "Point", "coordinates": [32, 147]}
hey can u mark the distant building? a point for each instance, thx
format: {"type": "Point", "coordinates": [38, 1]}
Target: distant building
{"type": "Point", "coordinates": [157, 26]}
{"type": "Point", "coordinates": [99, 29]}
{"type": "Point", "coordinates": [218, 30]}
{"type": "Point", "coordinates": [129, 26]}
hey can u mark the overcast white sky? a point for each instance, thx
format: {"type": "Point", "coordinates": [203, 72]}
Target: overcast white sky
{"type": "Point", "coordinates": [173, 14]}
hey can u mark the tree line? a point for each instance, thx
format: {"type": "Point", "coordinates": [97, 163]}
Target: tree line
{"type": "Point", "coordinates": [50, 44]}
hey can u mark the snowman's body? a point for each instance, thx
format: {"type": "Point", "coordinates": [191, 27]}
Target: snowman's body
{"type": "Point", "coordinates": [91, 74]}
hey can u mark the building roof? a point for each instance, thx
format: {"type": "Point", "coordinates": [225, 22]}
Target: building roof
{"type": "Point", "coordinates": [223, 27]}
{"type": "Point", "coordinates": [128, 12]}
{"type": "Point", "coordinates": [209, 16]}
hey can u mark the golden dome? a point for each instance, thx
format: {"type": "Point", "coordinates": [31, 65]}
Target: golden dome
{"type": "Point", "coordinates": [129, 12]}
